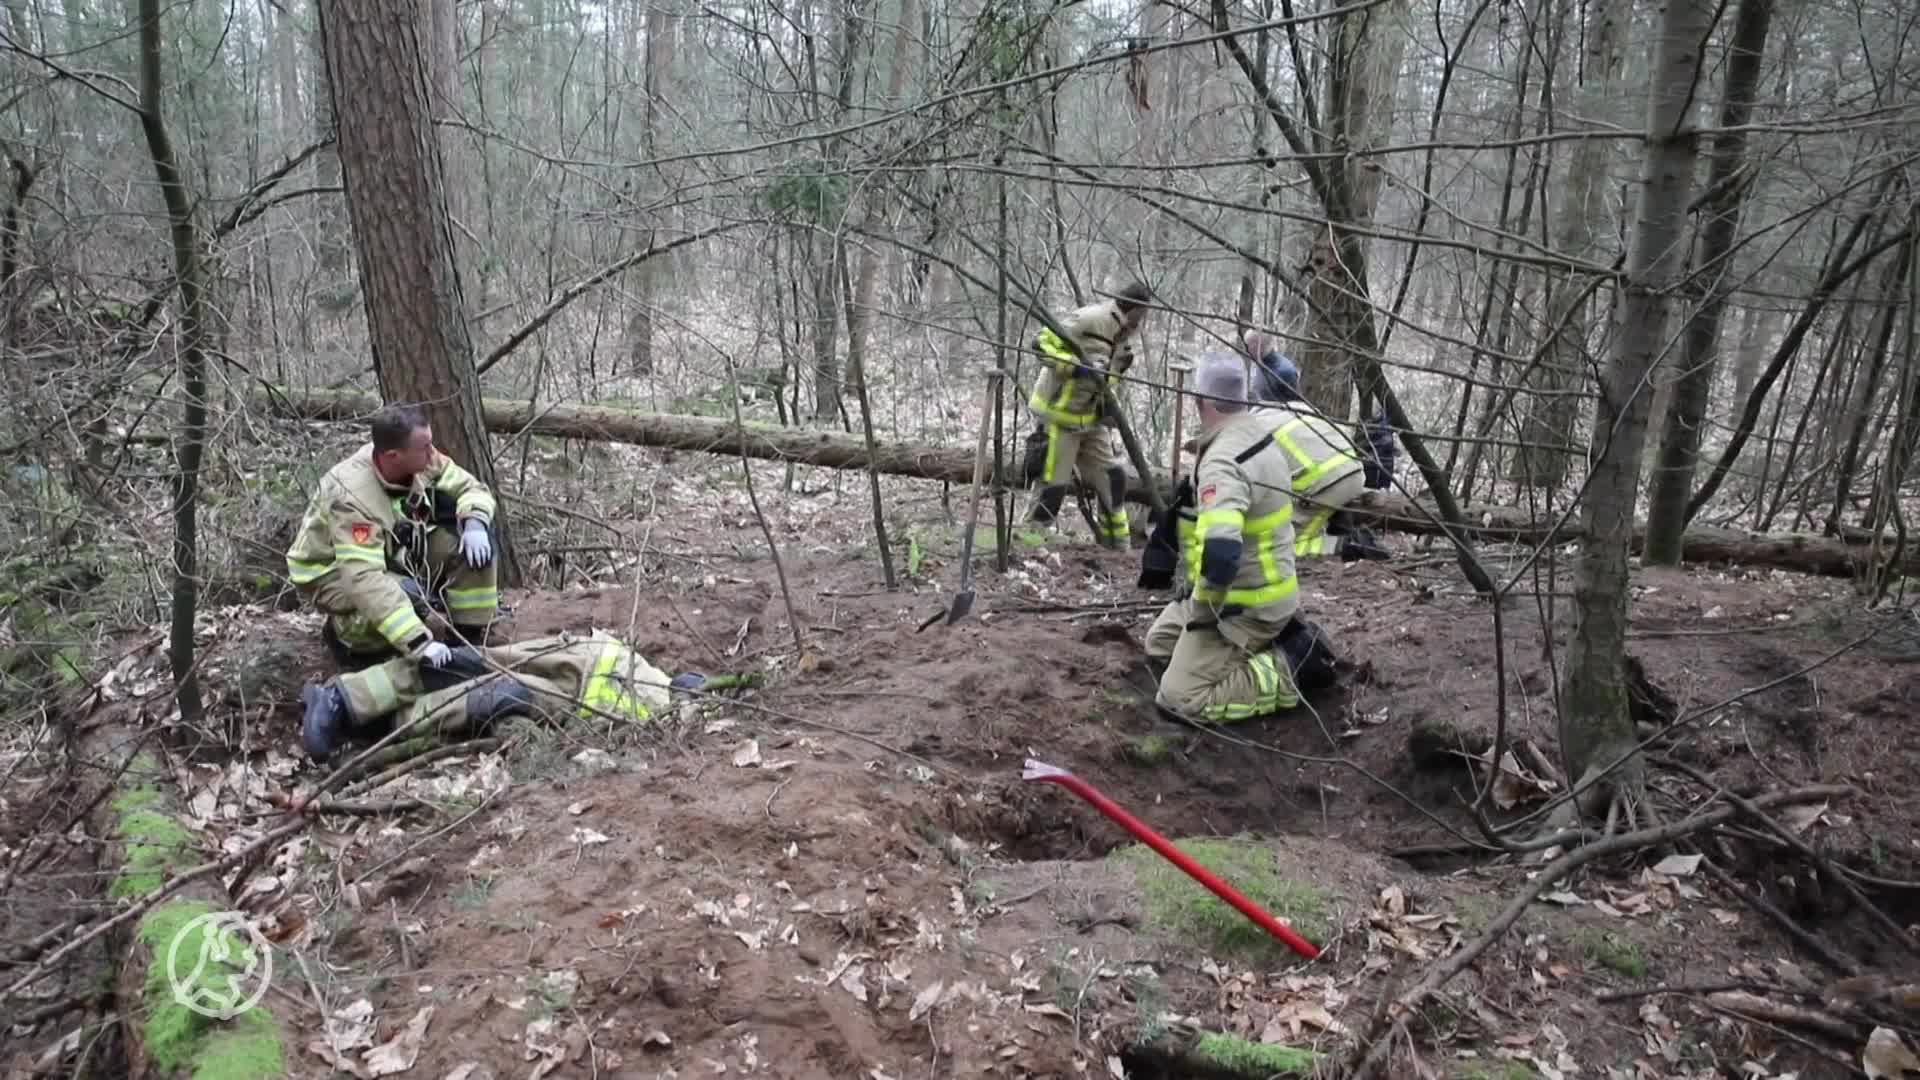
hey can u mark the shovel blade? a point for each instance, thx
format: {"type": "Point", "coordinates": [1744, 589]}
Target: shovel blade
{"type": "Point", "coordinates": [962, 603]}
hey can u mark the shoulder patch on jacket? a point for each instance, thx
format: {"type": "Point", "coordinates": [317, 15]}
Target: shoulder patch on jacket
{"type": "Point", "coordinates": [363, 532]}
{"type": "Point", "coordinates": [1206, 494]}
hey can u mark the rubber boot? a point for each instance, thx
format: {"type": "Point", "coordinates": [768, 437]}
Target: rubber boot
{"type": "Point", "coordinates": [1046, 508]}
{"type": "Point", "coordinates": [1308, 655]}
{"type": "Point", "coordinates": [494, 699]}
{"type": "Point", "coordinates": [1117, 493]}
{"type": "Point", "coordinates": [1360, 544]}
{"type": "Point", "coordinates": [324, 726]}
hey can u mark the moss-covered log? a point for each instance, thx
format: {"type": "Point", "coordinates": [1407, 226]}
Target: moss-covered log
{"type": "Point", "coordinates": [179, 952]}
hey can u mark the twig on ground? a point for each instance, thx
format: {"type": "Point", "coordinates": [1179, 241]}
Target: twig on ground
{"type": "Point", "coordinates": [423, 841]}
{"type": "Point", "coordinates": [1755, 1007]}
{"type": "Point", "coordinates": [409, 764]}
{"type": "Point", "coordinates": [1820, 862]}
{"type": "Point", "coordinates": [133, 912]}
{"type": "Point", "coordinates": [1375, 1044]}
{"type": "Point", "coordinates": [1821, 951]}
{"type": "Point", "coordinates": [1611, 997]}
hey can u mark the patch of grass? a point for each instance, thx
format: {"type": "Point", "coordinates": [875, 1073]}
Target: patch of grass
{"type": "Point", "coordinates": [1252, 1058]}
{"type": "Point", "coordinates": [1611, 950]}
{"type": "Point", "coordinates": [1148, 750]}
{"type": "Point", "coordinates": [473, 895]}
{"type": "Point", "coordinates": [1178, 904]}
{"type": "Point", "coordinates": [1149, 1007]}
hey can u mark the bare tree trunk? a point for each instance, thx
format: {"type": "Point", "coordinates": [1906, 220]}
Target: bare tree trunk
{"type": "Point", "coordinates": [330, 244]}
{"type": "Point", "coordinates": [1369, 43]}
{"type": "Point", "coordinates": [654, 81]}
{"type": "Point", "coordinates": [1554, 409]}
{"type": "Point", "coordinates": [1596, 728]}
{"type": "Point", "coordinates": [1699, 357]}
{"type": "Point", "coordinates": [396, 194]}
{"type": "Point", "coordinates": [190, 340]}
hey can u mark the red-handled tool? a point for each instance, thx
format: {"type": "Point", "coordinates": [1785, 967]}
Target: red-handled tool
{"type": "Point", "coordinates": [1038, 770]}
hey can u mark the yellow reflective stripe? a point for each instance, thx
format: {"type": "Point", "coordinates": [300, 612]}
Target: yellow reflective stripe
{"type": "Point", "coordinates": [1051, 344]}
{"type": "Point", "coordinates": [1237, 519]}
{"type": "Point", "coordinates": [380, 689]}
{"type": "Point", "coordinates": [1311, 471]}
{"type": "Point", "coordinates": [301, 572]}
{"type": "Point", "coordinates": [359, 553]}
{"type": "Point", "coordinates": [604, 694]}
{"type": "Point", "coordinates": [472, 599]}
{"type": "Point", "coordinates": [401, 625]}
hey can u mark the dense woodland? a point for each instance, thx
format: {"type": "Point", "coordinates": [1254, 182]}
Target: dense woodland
{"type": "Point", "coordinates": [1601, 263]}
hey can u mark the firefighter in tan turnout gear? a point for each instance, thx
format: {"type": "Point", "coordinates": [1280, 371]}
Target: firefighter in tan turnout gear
{"type": "Point", "coordinates": [557, 677]}
{"type": "Point", "coordinates": [394, 530]}
{"type": "Point", "coordinates": [1075, 432]}
{"type": "Point", "coordinates": [1221, 647]}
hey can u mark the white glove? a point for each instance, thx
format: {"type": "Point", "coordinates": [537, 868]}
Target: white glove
{"type": "Point", "coordinates": [474, 543]}
{"type": "Point", "coordinates": [436, 654]}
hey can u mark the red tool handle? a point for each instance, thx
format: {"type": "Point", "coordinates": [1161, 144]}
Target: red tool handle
{"type": "Point", "coordinates": [1037, 770]}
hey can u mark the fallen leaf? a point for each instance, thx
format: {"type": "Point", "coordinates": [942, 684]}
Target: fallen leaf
{"type": "Point", "coordinates": [587, 837]}
{"type": "Point", "coordinates": [656, 1040]}
{"type": "Point", "coordinates": [1886, 1055]}
{"type": "Point", "coordinates": [1801, 818]}
{"type": "Point", "coordinates": [398, 1054]}
{"type": "Point", "coordinates": [1564, 898]}
{"type": "Point", "coordinates": [853, 983]}
{"type": "Point", "coordinates": [924, 1001]}
{"type": "Point", "coordinates": [462, 1072]}
{"type": "Point", "coordinates": [1677, 865]}
{"type": "Point", "coordinates": [747, 754]}
{"type": "Point", "coordinates": [581, 807]}
{"type": "Point", "coordinates": [340, 1062]}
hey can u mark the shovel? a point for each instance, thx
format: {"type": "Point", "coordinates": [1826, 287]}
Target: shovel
{"type": "Point", "coordinates": [963, 599]}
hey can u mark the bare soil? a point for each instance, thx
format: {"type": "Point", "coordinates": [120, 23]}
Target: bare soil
{"type": "Point", "coordinates": [842, 874]}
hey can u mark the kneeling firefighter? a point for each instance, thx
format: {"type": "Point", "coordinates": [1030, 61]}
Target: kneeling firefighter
{"type": "Point", "coordinates": [1070, 403]}
{"type": "Point", "coordinates": [1234, 647]}
{"type": "Point", "coordinates": [474, 687]}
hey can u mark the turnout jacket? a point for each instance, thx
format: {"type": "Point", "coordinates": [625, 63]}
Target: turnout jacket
{"type": "Point", "coordinates": [356, 520]}
{"type": "Point", "coordinates": [1062, 395]}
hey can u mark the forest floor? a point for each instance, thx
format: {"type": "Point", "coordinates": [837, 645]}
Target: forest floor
{"type": "Point", "coordinates": [842, 874]}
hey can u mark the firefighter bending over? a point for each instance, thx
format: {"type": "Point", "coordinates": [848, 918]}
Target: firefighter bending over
{"type": "Point", "coordinates": [594, 677]}
{"type": "Point", "coordinates": [1075, 432]}
{"type": "Point", "coordinates": [394, 530]}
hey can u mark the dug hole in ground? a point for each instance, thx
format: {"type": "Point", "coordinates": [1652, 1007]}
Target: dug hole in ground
{"type": "Point", "coordinates": [840, 873]}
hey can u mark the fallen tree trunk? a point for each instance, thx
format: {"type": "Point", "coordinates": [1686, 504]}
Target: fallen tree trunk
{"type": "Point", "coordinates": [1799, 552]}
{"type": "Point", "coordinates": [829, 449]}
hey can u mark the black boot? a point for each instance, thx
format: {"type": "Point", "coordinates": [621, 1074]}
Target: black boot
{"type": "Point", "coordinates": [324, 727]}
{"type": "Point", "coordinates": [1309, 655]}
{"type": "Point", "coordinates": [1360, 544]}
{"type": "Point", "coordinates": [1046, 508]}
{"type": "Point", "coordinates": [494, 699]}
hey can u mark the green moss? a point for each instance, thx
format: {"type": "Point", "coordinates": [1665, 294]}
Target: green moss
{"type": "Point", "coordinates": [1181, 905]}
{"type": "Point", "coordinates": [1611, 950]}
{"type": "Point", "coordinates": [243, 1048]}
{"type": "Point", "coordinates": [156, 843]}
{"type": "Point", "coordinates": [1258, 1059]}
{"type": "Point", "coordinates": [1148, 750]}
